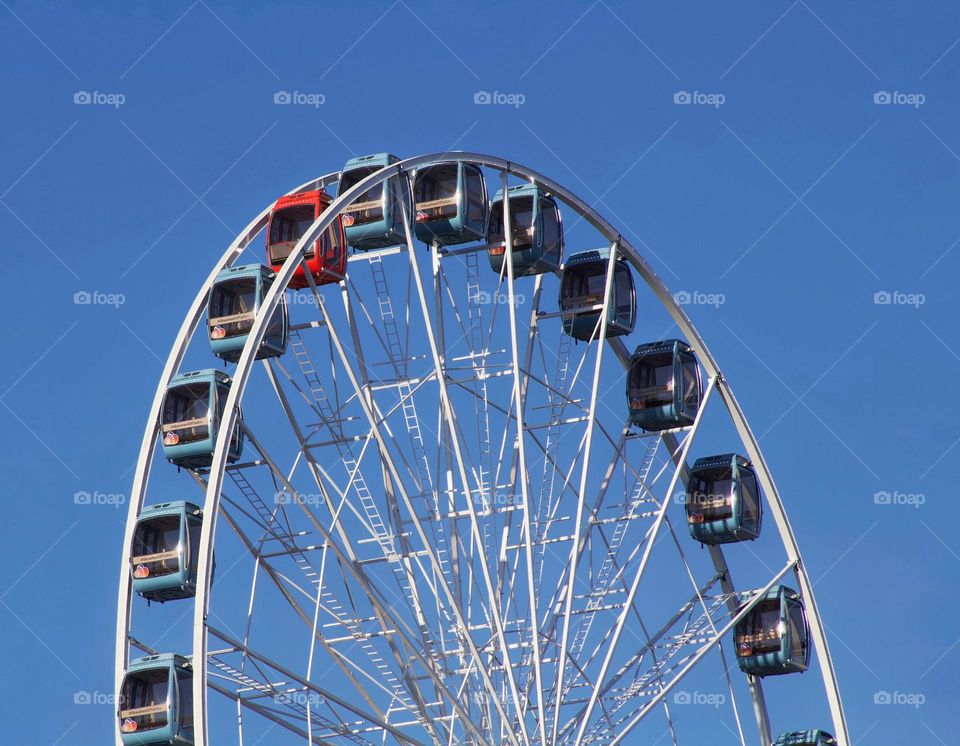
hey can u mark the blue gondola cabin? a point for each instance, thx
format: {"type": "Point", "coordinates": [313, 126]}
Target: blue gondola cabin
{"type": "Point", "coordinates": [156, 701]}
{"type": "Point", "coordinates": [582, 288]}
{"type": "Point", "coordinates": [774, 637]}
{"type": "Point", "coordinates": [375, 219]}
{"type": "Point", "coordinates": [806, 738]}
{"type": "Point", "coordinates": [291, 217]}
{"type": "Point", "coordinates": [232, 306]}
{"type": "Point", "coordinates": [190, 418]}
{"type": "Point", "coordinates": [536, 232]}
{"type": "Point", "coordinates": [723, 500]}
{"type": "Point", "coordinates": [450, 203]}
{"type": "Point", "coordinates": [166, 547]}
{"type": "Point", "coordinates": [663, 385]}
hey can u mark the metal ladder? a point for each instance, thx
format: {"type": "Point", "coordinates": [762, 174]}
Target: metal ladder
{"type": "Point", "coordinates": [548, 483]}
{"type": "Point", "coordinates": [651, 681]}
{"type": "Point", "coordinates": [395, 352]}
{"type": "Point", "coordinates": [424, 478]}
{"type": "Point", "coordinates": [550, 447]}
{"type": "Point", "coordinates": [603, 583]}
{"type": "Point", "coordinates": [331, 602]}
{"type": "Point", "coordinates": [478, 351]}
{"type": "Point", "coordinates": [288, 542]}
{"type": "Point", "coordinates": [383, 536]}
{"type": "Point", "coordinates": [339, 730]}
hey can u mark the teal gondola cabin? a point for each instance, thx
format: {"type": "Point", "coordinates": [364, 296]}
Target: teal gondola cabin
{"type": "Point", "coordinates": [663, 385]}
{"type": "Point", "coordinates": [232, 306]}
{"type": "Point", "coordinates": [582, 288]}
{"type": "Point", "coordinates": [450, 200]}
{"type": "Point", "coordinates": [774, 637]}
{"type": "Point", "coordinates": [373, 220]}
{"type": "Point", "coordinates": [166, 546]}
{"type": "Point", "coordinates": [806, 738]}
{"type": "Point", "coordinates": [723, 500]}
{"type": "Point", "coordinates": [536, 232]}
{"type": "Point", "coordinates": [156, 701]}
{"type": "Point", "coordinates": [190, 418]}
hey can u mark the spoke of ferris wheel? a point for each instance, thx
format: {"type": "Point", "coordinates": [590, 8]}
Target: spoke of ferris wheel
{"type": "Point", "coordinates": [484, 473]}
{"type": "Point", "coordinates": [420, 472]}
{"type": "Point", "coordinates": [649, 645]}
{"type": "Point", "coordinates": [648, 549]}
{"type": "Point", "coordinates": [381, 607]}
{"type": "Point", "coordinates": [300, 612]}
{"type": "Point", "coordinates": [261, 710]}
{"type": "Point", "coordinates": [636, 657]}
{"type": "Point", "coordinates": [395, 476]}
{"type": "Point", "coordinates": [313, 467]}
{"type": "Point", "coordinates": [293, 424]}
{"type": "Point", "coordinates": [313, 638]}
{"type": "Point", "coordinates": [585, 620]}
{"type": "Point", "coordinates": [603, 583]}
{"type": "Point", "coordinates": [698, 656]}
{"type": "Point", "coordinates": [444, 441]}
{"type": "Point", "coordinates": [450, 420]}
{"type": "Point", "coordinates": [720, 565]}
{"type": "Point", "coordinates": [407, 588]}
{"type": "Point", "coordinates": [713, 627]}
{"type": "Point", "coordinates": [551, 616]}
{"type": "Point", "coordinates": [571, 574]}
{"type": "Point", "coordinates": [366, 439]}
{"type": "Point", "coordinates": [519, 462]}
{"type": "Point", "coordinates": [519, 391]}
{"type": "Point", "coordinates": [326, 694]}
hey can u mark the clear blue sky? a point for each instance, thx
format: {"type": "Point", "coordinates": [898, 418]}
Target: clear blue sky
{"type": "Point", "coordinates": [818, 197]}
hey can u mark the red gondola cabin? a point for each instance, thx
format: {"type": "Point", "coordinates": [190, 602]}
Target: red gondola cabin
{"type": "Point", "coordinates": [289, 220]}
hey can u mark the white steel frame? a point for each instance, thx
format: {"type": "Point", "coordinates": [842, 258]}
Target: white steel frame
{"type": "Point", "coordinates": [530, 698]}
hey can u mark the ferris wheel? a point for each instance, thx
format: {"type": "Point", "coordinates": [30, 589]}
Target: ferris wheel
{"type": "Point", "coordinates": [448, 484]}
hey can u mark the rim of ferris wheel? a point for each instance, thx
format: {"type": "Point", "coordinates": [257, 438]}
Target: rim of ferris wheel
{"type": "Point", "coordinates": [773, 639]}
{"type": "Point", "coordinates": [450, 200]}
{"type": "Point", "coordinates": [664, 386]}
{"type": "Point", "coordinates": [723, 500]}
{"type": "Point", "coordinates": [536, 231]}
{"type": "Point", "coordinates": [374, 220]}
{"type": "Point", "coordinates": [285, 275]}
{"type": "Point", "coordinates": [235, 296]}
{"type": "Point", "coordinates": [193, 410]}
{"type": "Point", "coordinates": [163, 563]}
{"type": "Point", "coordinates": [325, 258]}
